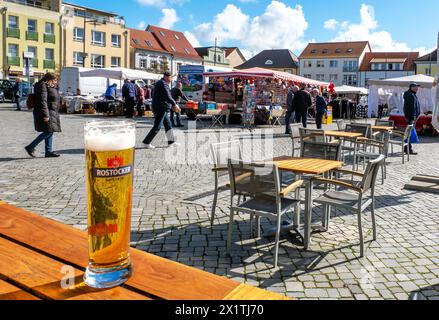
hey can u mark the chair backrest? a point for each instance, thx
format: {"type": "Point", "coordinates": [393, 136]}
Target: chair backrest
{"type": "Point", "coordinates": [312, 135]}
{"type": "Point", "coordinates": [295, 130]}
{"type": "Point", "coordinates": [321, 150]}
{"type": "Point", "coordinates": [408, 132]}
{"type": "Point", "coordinates": [254, 180]}
{"type": "Point", "coordinates": [371, 173]}
{"type": "Point", "coordinates": [364, 129]}
{"type": "Point", "coordinates": [222, 152]}
{"type": "Point", "coordinates": [341, 124]}
{"type": "Point", "coordinates": [385, 123]}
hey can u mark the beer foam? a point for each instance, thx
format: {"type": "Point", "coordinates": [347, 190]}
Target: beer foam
{"type": "Point", "coordinates": [97, 140]}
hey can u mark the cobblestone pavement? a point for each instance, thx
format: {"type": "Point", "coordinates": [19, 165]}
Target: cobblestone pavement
{"type": "Point", "coordinates": [172, 207]}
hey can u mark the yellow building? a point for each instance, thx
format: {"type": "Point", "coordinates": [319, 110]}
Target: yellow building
{"type": "Point", "coordinates": [92, 38]}
{"type": "Point", "coordinates": [428, 64]}
{"type": "Point", "coordinates": [29, 26]}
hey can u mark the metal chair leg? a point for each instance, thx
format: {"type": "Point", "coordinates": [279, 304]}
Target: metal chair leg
{"type": "Point", "coordinates": [276, 246]}
{"type": "Point", "coordinates": [360, 231]}
{"type": "Point", "coordinates": [374, 226]}
{"type": "Point", "coordinates": [229, 233]}
{"type": "Point", "coordinates": [258, 227]}
{"type": "Point", "coordinates": [252, 229]}
{"type": "Point", "coordinates": [215, 201]}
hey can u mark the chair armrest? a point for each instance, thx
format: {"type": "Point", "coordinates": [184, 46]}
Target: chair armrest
{"type": "Point", "coordinates": [220, 169]}
{"type": "Point", "coordinates": [293, 187]}
{"type": "Point", "coordinates": [355, 173]}
{"type": "Point", "coordinates": [340, 184]}
{"type": "Point", "coordinates": [372, 143]}
{"type": "Point", "coordinates": [243, 176]}
{"type": "Point", "coordinates": [398, 133]}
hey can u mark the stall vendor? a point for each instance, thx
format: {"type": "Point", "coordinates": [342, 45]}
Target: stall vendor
{"type": "Point", "coordinates": [110, 94]}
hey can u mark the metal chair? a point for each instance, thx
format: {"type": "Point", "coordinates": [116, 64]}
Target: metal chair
{"type": "Point", "coordinates": [403, 142]}
{"type": "Point", "coordinates": [357, 200]}
{"type": "Point", "coordinates": [221, 152]}
{"type": "Point", "coordinates": [313, 135]}
{"type": "Point", "coordinates": [363, 129]}
{"type": "Point", "coordinates": [321, 150]}
{"type": "Point", "coordinates": [262, 185]}
{"type": "Point", "coordinates": [384, 123]}
{"type": "Point", "coordinates": [295, 135]}
{"type": "Point", "coordinates": [341, 124]}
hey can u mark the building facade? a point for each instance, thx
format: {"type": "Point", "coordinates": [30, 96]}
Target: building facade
{"type": "Point", "coordinates": [387, 65]}
{"type": "Point", "coordinates": [92, 38]}
{"type": "Point", "coordinates": [214, 56]}
{"type": "Point", "coordinates": [235, 56]}
{"type": "Point", "coordinates": [428, 64]}
{"type": "Point", "coordinates": [29, 27]}
{"type": "Point", "coordinates": [334, 62]}
{"type": "Point", "coordinates": [280, 60]}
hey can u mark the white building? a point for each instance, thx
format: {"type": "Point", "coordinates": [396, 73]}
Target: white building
{"type": "Point", "coordinates": [335, 62]}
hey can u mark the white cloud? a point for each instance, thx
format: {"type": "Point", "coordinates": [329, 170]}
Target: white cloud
{"type": "Point", "coordinates": [141, 25]}
{"type": "Point", "coordinates": [154, 3]}
{"type": "Point", "coordinates": [169, 18]}
{"type": "Point", "coordinates": [366, 29]}
{"type": "Point", "coordinates": [192, 39]}
{"type": "Point", "coordinates": [280, 26]}
{"type": "Point", "coordinates": [331, 24]}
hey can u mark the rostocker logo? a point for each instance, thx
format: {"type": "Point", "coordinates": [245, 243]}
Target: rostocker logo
{"type": "Point", "coordinates": [112, 172]}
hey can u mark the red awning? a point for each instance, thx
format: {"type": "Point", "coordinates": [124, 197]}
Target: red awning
{"type": "Point", "coordinates": [266, 73]}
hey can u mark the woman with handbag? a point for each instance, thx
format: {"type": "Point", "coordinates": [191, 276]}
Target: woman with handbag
{"type": "Point", "coordinates": [46, 114]}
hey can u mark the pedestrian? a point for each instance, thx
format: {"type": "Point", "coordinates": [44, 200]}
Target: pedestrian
{"type": "Point", "coordinates": [129, 96]}
{"type": "Point", "coordinates": [291, 110]}
{"type": "Point", "coordinates": [46, 114]}
{"type": "Point", "coordinates": [321, 107]}
{"type": "Point", "coordinates": [110, 94]}
{"type": "Point", "coordinates": [18, 92]}
{"type": "Point", "coordinates": [412, 110]}
{"type": "Point", "coordinates": [140, 97]}
{"type": "Point", "coordinates": [162, 104]}
{"type": "Point", "coordinates": [302, 102]}
{"type": "Point", "coordinates": [344, 108]}
{"type": "Point", "coordinates": [178, 95]}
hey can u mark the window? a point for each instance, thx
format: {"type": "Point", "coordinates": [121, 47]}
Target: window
{"type": "Point", "coordinates": [390, 66]}
{"type": "Point", "coordinates": [307, 64]}
{"type": "Point", "coordinates": [218, 58]}
{"type": "Point", "coordinates": [351, 66]}
{"type": "Point", "coordinates": [428, 71]}
{"type": "Point", "coordinates": [338, 50]}
{"type": "Point", "coordinates": [269, 63]}
{"type": "Point", "coordinates": [148, 43]}
{"type": "Point", "coordinates": [173, 48]}
{"type": "Point", "coordinates": [162, 33]}
{"type": "Point", "coordinates": [154, 65]}
{"type": "Point", "coordinates": [350, 80]}
{"type": "Point", "coordinates": [333, 78]}
{"type": "Point", "coordinates": [80, 13]}
{"type": "Point", "coordinates": [13, 22]}
{"type": "Point", "coordinates": [78, 34]}
{"type": "Point", "coordinates": [143, 63]}
{"type": "Point", "coordinates": [350, 50]}
{"type": "Point", "coordinates": [33, 50]}
{"type": "Point", "coordinates": [308, 76]}
{"type": "Point", "coordinates": [98, 38]}
{"type": "Point", "coordinates": [325, 51]}
{"type": "Point", "coordinates": [13, 50]}
{"type": "Point", "coordinates": [398, 67]}
{"type": "Point", "coordinates": [136, 42]}
{"type": "Point", "coordinates": [333, 64]}
{"type": "Point", "coordinates": [314, 51]}
{"type": "Point", "coordinates": [115, 62]}
{"type": "Point", "coordinates": [320, 64]}
{"type": "Point", "coordinates": [97, 61]}
{"type": "Point", "coordinates": [78, 59]}
{"type": "Point", "coordinates": [49, 28]}
{"type": "Point", "coordinates": [50, 54]}
{"type": "Point", "coordinates": [320, 77]}
{"type": "Point", "coordinates": [187, 51]}
{"type": "Point", "coordinates": [115, 40]}
{"type": "Point", "coordinates": [32, 25]}
{"type": "Point", "coordinates": [176, 37]}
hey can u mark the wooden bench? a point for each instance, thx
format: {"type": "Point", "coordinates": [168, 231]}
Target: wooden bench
{"type": "Point", "coordinates": [36, 253]}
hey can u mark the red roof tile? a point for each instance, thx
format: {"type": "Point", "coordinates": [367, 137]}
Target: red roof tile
{"type": "Point", "coordinates": [409, 64]}
{"type": "Point", "coordinates": [174, 42]}
{"type": "Point", "coordinates": [145, 40]}
{"type": "Point", "coordinates": [334, 50]}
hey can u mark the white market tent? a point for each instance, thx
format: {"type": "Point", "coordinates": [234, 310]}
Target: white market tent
{"type": "Point", "coordinates": [120, 74]}
{"type": "Point", "coordinates": [351, 90]}
{"type": "Point", "coordinates": [391, 92]}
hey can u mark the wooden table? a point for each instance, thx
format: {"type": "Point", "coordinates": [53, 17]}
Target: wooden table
{"type": "Point", "coordinates": [312, 167]}
{"type": "Point", "coordinates": [36, 253]}
{"type": "Point", "coordinates": [343, 134]}
{"type": "Point", "coordinates": [382, 128]}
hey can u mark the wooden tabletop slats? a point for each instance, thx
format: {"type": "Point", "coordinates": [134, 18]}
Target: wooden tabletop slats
{"type": "Point", "coordinates": [10, 292]}
{"type": "Point", "coordinates": [382, 128]}
{"type": "Point", "coordinates": [245, 292]}
{"type": "Point", "coordinates": [306, 166]}
{"type": "Point", "coordinates": [53, 244]}
{"type": "Point", "coordinates": [342, 134]}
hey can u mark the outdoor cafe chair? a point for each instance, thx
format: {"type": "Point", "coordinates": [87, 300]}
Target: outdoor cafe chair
{"type": "Point", "coordinates": [221, 152]}
{"type": "Point", "coordinates": [321, 150]}
{"type": "Point", "coordinates": [383, 123]}
{"type": "Point", "coordinates": [262, 186]}
{"type": "Point", "coordinates": [402, 140]}
{"type": "Point", "coordinates": [341, 124]}
{"type": "Point", "coordinates": [351, 146]}
{"type": "Point", "coordinates": [295, 136]}
{"type": "Point", "coordinates": [314, 135]}
{"type": "Point", "coordinates": [356, 200]}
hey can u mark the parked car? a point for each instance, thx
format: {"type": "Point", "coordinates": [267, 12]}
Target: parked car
{"type": "Point", "coordinates": [7, 87]}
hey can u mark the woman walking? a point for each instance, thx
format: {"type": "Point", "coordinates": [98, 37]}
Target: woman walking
{"type": "Point", "coordinates": [46, 114]}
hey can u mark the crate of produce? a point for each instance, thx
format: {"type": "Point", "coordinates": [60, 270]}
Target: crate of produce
{"type": "Point", "coordinates": [222, 106]}
{"type": "Point", "coordinates": [192, 105]}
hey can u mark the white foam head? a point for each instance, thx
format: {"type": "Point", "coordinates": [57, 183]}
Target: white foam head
{"type": "Point", "coordinates": [107, 136]}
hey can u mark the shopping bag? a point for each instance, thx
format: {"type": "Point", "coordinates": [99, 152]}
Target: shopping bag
{"type": "Point", "coordinates": [414, 138]}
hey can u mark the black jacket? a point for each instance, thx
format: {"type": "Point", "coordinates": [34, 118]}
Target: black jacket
{"type": "Point", "coordinates": [290, 101]}
{"type": "Point", "coordinates": [46, 106]}
{"type": "Point", "coordinates": [302, 101]}
{"type": "Point", "coordinates": [412, 107]}
{"type": "Point", "coordinates": [178, 95]}
{"type": "Point", "coordinates": [161, 97]}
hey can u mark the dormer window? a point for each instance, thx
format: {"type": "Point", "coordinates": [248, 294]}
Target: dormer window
{"type": "Point", "coordinates": [187, 51]}
{"type": "Point", "coordinates": [325, 51]}
{"type": "Point", "coordinates": [136, 42]}
{"type": "Point", "coordinates": [173, 48]}
{"type": "Point", "coordinates": [176, 37]}
{"type": "Point", "coordinates": [269, 63]}
{"type": "Point", "coordinates": [314, 51]}
{"type": "Point", "coordinates": [148, 43]}
{"type": "Point", "coordinates": [350, 50]}
{"type": "Point", "coordinates": [162, 33]}
{"type": "Point", "coordinates": [338, 50]}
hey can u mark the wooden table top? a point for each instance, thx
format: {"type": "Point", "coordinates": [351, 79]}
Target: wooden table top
{"type": "Point", "coordinates": [34, 250]}
{"type": "Point", "coordinates": [382, 128]}
{"type": "Point", "coordinates": [342, 134]}
{"type": "Point", "coordinates": [306, 166]}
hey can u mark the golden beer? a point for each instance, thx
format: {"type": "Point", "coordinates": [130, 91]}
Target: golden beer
{"type": "Point", "coordinates": [110, 167]}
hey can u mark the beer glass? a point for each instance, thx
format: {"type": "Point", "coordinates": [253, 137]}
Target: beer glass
{"type": "Point", "coordinates": [109, 147]}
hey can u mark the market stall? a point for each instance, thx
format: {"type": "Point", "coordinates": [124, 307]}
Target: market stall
{"type": "Point", "coordinates": [253, 94]}
{"type": "Point", "coordinates": [355, 100]}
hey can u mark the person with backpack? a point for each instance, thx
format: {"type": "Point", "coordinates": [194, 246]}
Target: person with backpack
{"type": "Point", "coordinates": [45, 102]}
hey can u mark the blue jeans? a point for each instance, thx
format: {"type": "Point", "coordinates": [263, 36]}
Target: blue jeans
{"type": "Point", "coordinates": [178, 116]}
{"type": "Point", "coordinates": [48, 139]}
{"type": "Point", "coordinates": [161, 118]}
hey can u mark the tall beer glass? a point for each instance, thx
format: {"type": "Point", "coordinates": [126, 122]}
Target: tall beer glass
{"type": "Point", "coordinates": [110, 147]}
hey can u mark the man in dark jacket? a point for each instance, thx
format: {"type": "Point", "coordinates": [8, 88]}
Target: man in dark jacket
{"type": "Point", "coordinates": [178, 95]}
{"type": "Point", "coordinates": [321, 107]}
{"type": "Point", "coordinates": [302, 102]}
{"type": "Point", "coordinates": [46, 114]}
{"type": "Point", "coordinates": [129, 96]}
{"type": "Point", "coordinates": [291, 109]}
{"type": "Point", "coordinates": [412, 109]}
{"type": "Point", "coordinates": [18, 92]}
{"type": "Point", "coordinates": [162, 104]}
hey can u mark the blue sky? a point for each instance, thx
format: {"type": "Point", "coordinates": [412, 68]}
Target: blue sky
{"type": "Point", "coordinates": [390, 25]}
